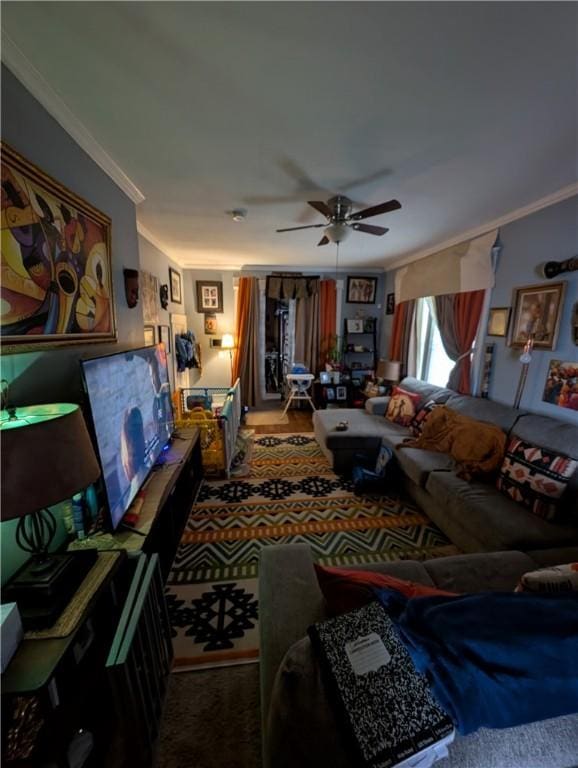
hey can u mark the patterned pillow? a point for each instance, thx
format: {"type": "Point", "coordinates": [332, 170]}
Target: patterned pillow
{"type": "Point", "coordinates": [402, 406]}
{"type": "Point", "coordinates": [535, 477]}
{"type": "Point", "coordinates": [557, 578]}
{"type": "Point", "coordinates": [421, 416]}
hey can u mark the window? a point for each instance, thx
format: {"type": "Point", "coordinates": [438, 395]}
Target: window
{"type": "Point", "coordinates": [433, 365]}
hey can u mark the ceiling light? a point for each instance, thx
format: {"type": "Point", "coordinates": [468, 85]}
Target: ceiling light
{"type": "Point", "coordinates": [337, 232]}
{"type": "Point", "coordinates": [238, 214]}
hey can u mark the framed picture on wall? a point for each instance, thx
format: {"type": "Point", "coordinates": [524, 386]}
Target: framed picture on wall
{"type": "Point", "coordinates": [56, 262]}
{"type": "Point", "coordinates": [561, 387]}
{"type": "Point", "coordinates": [176, 286]}
{"type": "Point", "coordinates": [209, 296]}
{"type": "Point", "coordinates": [210, 324]}
{"type": "Point", "coordinates": [498, 321]}
{"type": "Point", "coordinates": [361, 290]}
{"type": "Point", "coordinates": [165, 337]}
{"type": "Point", "coordinates": [390, 304]}
{"type": "Point", "coordinates": [149, 335]}
{"type": "Point", "coordinates": [536, 315]}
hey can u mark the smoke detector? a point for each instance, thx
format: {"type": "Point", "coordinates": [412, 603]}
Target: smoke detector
{"type": "Point", "coordinates": [239, 214]}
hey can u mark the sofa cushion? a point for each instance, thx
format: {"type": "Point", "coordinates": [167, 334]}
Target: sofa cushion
{"type": "Point", "coordinates": [478, 572]}
{"type": "Point", "coordinates": [377, 406]}
{"type": "Point", "coordinates": [402, 406]}
{"type": "Point", "coordinates": [346, 589]}
{"type": "Point", "coordinates": [556, 578]}
{"type": "Point", "coordinates": [558, 436]}
{"type": "Point", "coordinates": [421, 416]}
{"type": "Point", "coordinates": [494, 519]}
{"type": "Point", "coordinates": [484, 410]}
{"type": "Point", "coordinates": [417, 463]}
{"type": "Point", "coordinates": [427, 391]}
{"type": "Point", "coordinates": [535, 477]}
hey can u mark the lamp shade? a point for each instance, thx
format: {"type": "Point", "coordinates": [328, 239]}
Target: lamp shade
{"type": "Point", "coordinates": [227, 342]}
{"type": "Point", "coordinates": [388, 370]}
{"type": "Point", "coordinates": [47, 456]}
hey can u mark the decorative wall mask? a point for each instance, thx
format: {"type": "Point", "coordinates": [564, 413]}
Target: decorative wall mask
{"type": "Point", "coordinates": [131, 287]}
{"type": "Point", "coordinates": [164, 293]}
{"type": "Point", "coordinates": [555, 268]}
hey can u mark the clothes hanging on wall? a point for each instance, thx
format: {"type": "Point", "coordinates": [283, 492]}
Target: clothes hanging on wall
{"type": "Point", "coordinates": [188, 351]}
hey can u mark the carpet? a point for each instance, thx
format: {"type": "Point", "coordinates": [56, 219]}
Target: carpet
{"type": "Point", "coordinates": [291, 495]}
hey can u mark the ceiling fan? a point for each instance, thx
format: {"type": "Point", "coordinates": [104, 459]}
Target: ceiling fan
{"type": "Point", "coordinates": [340, 218]}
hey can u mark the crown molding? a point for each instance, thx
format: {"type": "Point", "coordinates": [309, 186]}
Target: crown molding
{"type": "Point", "coordinates": [544, 202]}
{"type": "Point", "coordinates": [153, 240]}
{"type": "Point", "coordinates": [43, 92]}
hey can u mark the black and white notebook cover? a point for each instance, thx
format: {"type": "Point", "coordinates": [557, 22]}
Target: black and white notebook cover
{"type": "Point", "coordinates": [386, 703]}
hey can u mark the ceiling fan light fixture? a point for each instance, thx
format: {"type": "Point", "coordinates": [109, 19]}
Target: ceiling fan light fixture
{"type": "Point", "coordinates": [337, 232]}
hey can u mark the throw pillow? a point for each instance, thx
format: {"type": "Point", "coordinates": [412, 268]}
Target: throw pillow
{"type": "Point", "coordinates": [402, 406]}
{"type": "Point", "coordinates": [421, 416]}
{"type": "Point", "coordinates": [535, 477]}
{"type": "Point", "coordinates": [345, 590]}
{"type": "Point", "coordinates": [558, 578]}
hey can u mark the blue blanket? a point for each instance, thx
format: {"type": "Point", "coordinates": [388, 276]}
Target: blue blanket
{"type": "Point", "coordinates": [493, 659]}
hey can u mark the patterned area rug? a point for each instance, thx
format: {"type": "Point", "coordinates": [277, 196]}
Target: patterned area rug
{"type": "Point", "coordinates": [291, 495]}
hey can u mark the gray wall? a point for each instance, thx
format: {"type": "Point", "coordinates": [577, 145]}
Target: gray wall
{"type": "Point", "coordinates": [548, 235]}
{"type": "Point", "coordinates": [157, 263]}
{"type": "Point", "coordinates": [44, 376]}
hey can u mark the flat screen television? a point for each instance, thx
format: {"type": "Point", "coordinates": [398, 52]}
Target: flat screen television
{"type": "Point", "coordinates": [130, 405]}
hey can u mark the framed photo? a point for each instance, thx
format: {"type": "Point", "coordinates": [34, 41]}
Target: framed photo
{"type": "Point", "coordinates": [361, 290]}
{"type": "Point", "coordinates": [165, 337]}
{"type": "Point", "coordinates": [536, 314]}
{"type": "Point", "coordinates": [149, 336]}
{"type": "Point", "coordinates": [176, 286]}
{"type": "Point", "coordinates": [562, 385]}
{"type": "Point", "coordinates": [341, 393]}
{"type": "Point", "coordinates": [498, 321]}
{"type": "Point", "coordinates": [325, 377]}
{"type": "Point", "coordinates": [390, 304]}
{"type": "Point", "coordinates": [56, 262]}
{"type": "Point", "coordinates": [149, 288]}
{"type": "Point", "coordinates": [329, 393]}
{"type": "Point", "coordinates": [209, 296]}
{"type": "Point", "coordinates": [354, 325]}
{"type": "Point", "coordinates": [210, 324]}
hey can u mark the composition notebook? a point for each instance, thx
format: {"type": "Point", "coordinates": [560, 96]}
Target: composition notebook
{"type": "Point", "coordinates": [385, 702]}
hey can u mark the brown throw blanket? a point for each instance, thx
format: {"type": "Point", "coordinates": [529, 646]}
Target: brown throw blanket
{"type": "Point", "coordinates": [476, 446]}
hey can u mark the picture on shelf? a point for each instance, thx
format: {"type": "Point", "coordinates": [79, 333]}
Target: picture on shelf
{"type": "Point", "coordinates": [329, 393]}
{"type": "Point", "coordinates": [341, 393]}
{"type": "Point", "coordinates": [354, 325]}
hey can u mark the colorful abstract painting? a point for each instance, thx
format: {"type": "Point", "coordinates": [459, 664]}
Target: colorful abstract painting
{"type": "Point", "coordinates": [55, 261]}
{"type": "Point", "coordinates": [562, 384]}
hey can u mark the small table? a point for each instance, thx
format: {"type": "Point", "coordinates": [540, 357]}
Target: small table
{"type": "Point", "coordinates": [299, 383]}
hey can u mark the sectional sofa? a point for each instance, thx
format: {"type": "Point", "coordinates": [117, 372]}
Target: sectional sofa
{"type": "Point", "coordinates": [476, 516]}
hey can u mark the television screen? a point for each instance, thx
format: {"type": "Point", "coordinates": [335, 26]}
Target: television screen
{"type": "Point", "coordinates": [130, 403]}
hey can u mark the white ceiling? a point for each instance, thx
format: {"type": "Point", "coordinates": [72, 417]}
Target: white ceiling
{"type": "Point", "coordinates": [462, 111]}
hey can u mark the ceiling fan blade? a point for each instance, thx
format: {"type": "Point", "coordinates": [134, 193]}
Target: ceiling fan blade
{"type": "Point", "coordinates": [370, 229]}
{"type": "Point", "coordinates": [375, 210]}
{"type": "Point", "coordinates": [324, 240]}
{"type": "Point", "coordinates": [321, 207]}
{"type": "Point", "coordinates": [308, 226]}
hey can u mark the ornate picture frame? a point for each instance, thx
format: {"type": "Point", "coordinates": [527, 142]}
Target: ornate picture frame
{"type": "Point", "coordinates": [536, 313]}
{"type": "Point", "coordinates": [209, 296]}
{"type": "Point", "coordinates": [56, 262]}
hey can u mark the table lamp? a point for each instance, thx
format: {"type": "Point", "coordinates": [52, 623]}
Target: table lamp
{"type": "Point", "coordinates": [46, 457]}
{"type": "Point", "coordinates": [228, 342]}
{"type": "Point", "coordinates": [388, 370]}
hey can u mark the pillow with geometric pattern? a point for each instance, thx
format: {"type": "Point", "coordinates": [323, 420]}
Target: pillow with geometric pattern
{"type": "Point", "coordinates": [421, 416]}
{"type": "Point", "coordinates": [557, 578]}
{"type": "Point", "coordinates": [535, 477]}
{"type": "Point", "coordinates": [402, 406]}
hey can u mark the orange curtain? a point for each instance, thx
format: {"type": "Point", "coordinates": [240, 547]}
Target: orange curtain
{"type": "Point", "coordinates": [246, 359]}
{"type": "Point", "coordinates": [467, 313]}
{"type": "Point", "coordinates": [401, 333]}
{"type": "Point", "coordinates": [327, 308]}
